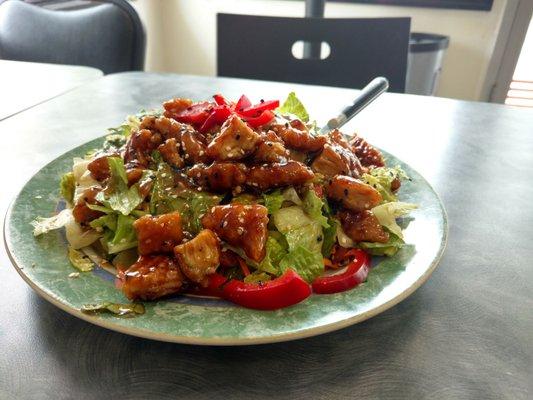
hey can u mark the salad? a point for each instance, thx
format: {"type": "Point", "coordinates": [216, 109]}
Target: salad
{"type": "Point", "coordinates": [243, 201]}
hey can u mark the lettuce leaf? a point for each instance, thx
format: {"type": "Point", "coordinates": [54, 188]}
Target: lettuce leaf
{"type": "Point", "coordinates": [256, 277]}
{"type": "Point", "coordinates": [383, 249]}
{"type": "Point", "coordinates": [118, 196]}
{"type": "Point", "coordinates": [288, 218]}
{"type": "Point", "coordinates": [44, 225]}
{"type": "Point", "coordinates": [313, 206]}
{"type": "Point", "coordinates": [129, 310]}
{"type": "Point", "coordinates": [387, 213]}
{"type": "Point", "coordinates": [67, 187]}
{"type": "Point", "coordinates": [381, 178]}
{"type": "Point", "coordinates": [330, 236]}
{"type": "Point", "coordinates": [294, 106]}
{"type": "Point", "coordinates": [306, 263]}
{"type": "Point", "coordinates": [108, 221]}
{"type": "Point", "coordinates": [273, 201]}
{"type": "Point", "coordinates": [123, 238]}
{"type": "Point", "coordinates": [79, 260]}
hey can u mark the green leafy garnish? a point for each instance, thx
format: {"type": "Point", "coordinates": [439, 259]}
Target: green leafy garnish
{"type": "Point", "coordinates": [387, 213]}
{"type": "Point", "coordinates": [131, 309]}
{"type": "Point", "coordinates": [306, 263]}
{"type": "Point", "coordinates": [383, 249]}
{"type": "Point", "coordinates": [44, 225]}
{"type": "Point", "coordinates": [123, 238]}
{"type": "Point", "coordinates": [381, 179]}
{"type": "Point", "coordinates": [313, 206]}
{"type": "Point", "coordinates": [79, 260]}
{"type": "Point", "coordinates": [273, 201]}
{"type": "Point", "coordinates": [67, 187]}
{"type": "Point", "coordinates": [294, 106]}
{"type": "Point", "coordinates": [330, 236]}
{"type": "Point", "coordinates": [117, 195]}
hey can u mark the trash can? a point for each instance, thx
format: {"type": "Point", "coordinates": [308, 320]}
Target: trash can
{"type": "Point", "coordinates": [424, 63]}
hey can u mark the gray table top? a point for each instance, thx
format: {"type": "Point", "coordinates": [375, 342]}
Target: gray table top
{"type": "Point", "coordinates": [25, 84]}
{"type": "Point", "coordinates": [465, 334]}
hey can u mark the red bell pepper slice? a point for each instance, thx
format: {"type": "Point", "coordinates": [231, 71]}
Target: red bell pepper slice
{"type": "Point", "coordinates": [256, 110]}
{"type": "Point", "coordinates": [243, 103]}
{"type": "Point", "coordinates": [355, 273]}
{"type": "Point", "coordinates": [196, 114]}
{"type": "Point", "coordinates": [217, 116]}
{"type": "Point", "coordinates": [265, 117]}
{"type": "Point", "coordinates": [282, 292]}
{"type": "Point", "coordinates": [220, 100]}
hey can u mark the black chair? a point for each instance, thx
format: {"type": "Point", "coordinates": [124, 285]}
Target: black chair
{"type": "Point", "coordinates": [259, 47]}
{"type": "Point", "coordinates": [108, 36]}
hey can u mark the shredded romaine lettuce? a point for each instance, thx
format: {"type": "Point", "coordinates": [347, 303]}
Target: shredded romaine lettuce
{"type": "Point", "coordinates": [383, 249]}
{"type": "Point", "coordinates": [44, 225]}
{"type": "Point", "coordinates": [288, 218]}
{"type": "Point", "coordinates": [307, 264]}
{"type": "Point", "coordinates": [273, 201]}
{"type": "Point", "coordinates": [387, 213]}
{"type": "Point", "coordinates": [79, 260]}
{"type": "Point", "coordinates": [257, 277]}
{"type": "Point", "coordinates": [294, 106]}
{"type": "Point", "coordinates": [118, 196]}
{"type": "Point", "coordinates": [313, 206]}
{"type": "Point", "coordinates": [108, 221]}
{"type": "Point", "coordinates": [67, 187]}
{"type": "Point", "coordinates": [123, 238]}
{"type": "Point", "coordinates": [330, 236]}
{"type": "Point", "coordinates": [130, 310]}
{"type": "Point", "coordinates": [381, 178]}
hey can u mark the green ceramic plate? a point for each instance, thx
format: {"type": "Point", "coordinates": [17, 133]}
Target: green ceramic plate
{"type": "Point", "coordinates": [44, 265]}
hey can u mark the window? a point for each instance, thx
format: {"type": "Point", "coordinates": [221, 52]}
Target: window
{"type": "Point", "coordinates": [458, 4]}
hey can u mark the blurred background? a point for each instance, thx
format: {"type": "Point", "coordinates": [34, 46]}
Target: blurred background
{"type": "Point", "coordinates": [465, 49]}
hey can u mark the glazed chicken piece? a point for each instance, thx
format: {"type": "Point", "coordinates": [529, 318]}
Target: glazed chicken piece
{"type": "Point", "coordinates": [167, 127]}
{"type": "Point", "coordinates": [291, 173]}
{"type": "Point", "coordinates": [270, 149]}
{"type": "Point", "coordinates": [199, 257]}
{"type": "Point", "coordinates": [219, 176]}
{"type": "Point", "coordinates": [235, 141]}
{"type": "Point", "coordinates": [336, 160]}
{"type": "Point", "coordinates": [194, 149]}
{"type": "Point", "coordinates": [99, 167]}
{"type": "Point", "coordinates": [243, 226]}
{"type": "Point", "coordinates": [140, 146]}
{"type": "Point", "coordinates": [363, 226]}
{"type": "Point", "coordinates": [352, 193]}
{"type": "Point", "coordinates": [174, 106]}
{"type": "Point", "coordinates": [159, 233]}
{"type": "Point", "coordinates": [367, 154]}
{"type": "Point", "coordinates": [299, 139]}
{"type": "Point", "coordinates": [169, 152]}
{"type": "Point", "coordinates": [151, 277]}
{"type": "Point", "coordinates": [83, 214]}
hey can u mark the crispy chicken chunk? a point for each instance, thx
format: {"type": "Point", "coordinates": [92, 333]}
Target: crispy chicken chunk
{"type": "Point", "coordinates": [158, 234]}
{"type": "Point", "coordinates": [352, 193]}
{"type": "Point", "coordinates": [140, 146]}
{"type": "Point", "coordinates": [363, 226]}
{"type": "Point", "coordinates": [299, 139]}
{"type": "Point", "coordinates": [199, 257]}
{"type": "Point", "coordinates": [367, 154]}
{"type": "Point", "coordinates": [290, 173]}
{"type": "Point", "coordinates": [270, 149]}
{"type": "Point", "coordinates": [335, 160]}
{"type": "Point", "coordinates": [194, 149]}
{"type": "Point", "coordinates": [167, 127]}
{"type": "Point", "coordinates": [83, 214]}
{"type": "Point", "coordinates": [219, 176]}
{"type": "Point", "coordinates": [99, 167]}
{"type": "Point", "coordinates": [169, 153]}
{"type": "Point", "coordinates": [174, 106]}
{"type": "Point", "coordinates": [243, 226]}
{"type": "Point", "coordinates": [151, 277]}
{"type": "Point", "coordinates": [235, 141]}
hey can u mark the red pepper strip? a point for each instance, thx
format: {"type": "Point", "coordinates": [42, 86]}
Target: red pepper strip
{"type": "Point", "coordinates": [217, 116]}
{"type": "Point", "coordinates": [265, 117]}
{"type": "Point", "coordinates": [213, 288]}
{"type": "Point", "coordinates": [355, 273]}
{"type": "Point", "coordinates": [258, 108]}
{"type": "Point", "coordinates": [243, 103]}
{"type": "Point", "coordinates": [284, 291]}
{"type": "Point", "coordinates": [195, 114]}
{"type": "Point", "coordinates": [220, 100]}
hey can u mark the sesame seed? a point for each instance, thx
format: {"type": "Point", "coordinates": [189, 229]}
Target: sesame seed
{"type": "Point", "coordinates": [240, 230]}
{"type": "Point", "coordinates": [224, 224]}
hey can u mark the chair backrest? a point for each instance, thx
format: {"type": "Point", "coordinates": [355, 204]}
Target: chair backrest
{"type": "Point", "coordinates": [260, 47]}
{"type": "Point", "coordinates": [108, 36]}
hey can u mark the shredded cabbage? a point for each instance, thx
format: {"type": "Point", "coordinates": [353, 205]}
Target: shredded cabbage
{"type": "Point", "coordinates": [387, 213]}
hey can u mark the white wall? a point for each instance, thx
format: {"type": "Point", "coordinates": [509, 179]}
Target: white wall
{"type": "Point", "coordinates": [181, 34]}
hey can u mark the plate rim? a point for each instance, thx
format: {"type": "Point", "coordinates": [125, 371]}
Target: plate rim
{"type": "Point", "coordinates": [219, 341]}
